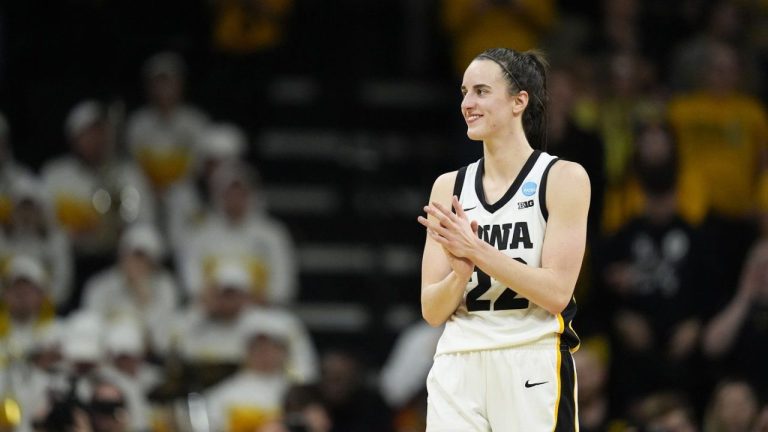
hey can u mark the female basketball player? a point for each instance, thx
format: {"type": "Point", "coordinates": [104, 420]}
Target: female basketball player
{"type": "Point", "coordinates": [506, 237]}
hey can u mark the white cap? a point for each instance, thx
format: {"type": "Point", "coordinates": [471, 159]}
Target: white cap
{"type": "Point", "coordinates": [222, 141]}
{"type": "Point", "coordinates": [143, 238]}
{"type": "Point", "coordinates": [82, 349]}
{"type": "Point", "coordinates": [27, 268]}
{"type": "Point", "coordinates": [48, 338]}
{"type": "Point", "coordinates": [231, 172]}
{"type": "Point", "coordinates": [28, 187]}
{"type": "Point", "coordinates": [232, 274]}
{"type": "Point", "coordinates": [82, 341]}
{"type": "Point", "coordinates": [125, 337]}
{"type": "Point", "coordinates": [164, 63]}
{"type": "Point", "coordinates": [81, 116]}
{"type": "Point", "coordinates": [256, 323]}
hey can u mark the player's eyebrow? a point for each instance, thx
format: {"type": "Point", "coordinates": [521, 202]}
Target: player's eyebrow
{"type": "Point", "coordinates": [477, 87]}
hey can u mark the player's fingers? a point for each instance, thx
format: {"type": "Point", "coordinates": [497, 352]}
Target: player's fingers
{"type": "Point", "coordinates": [440, 216]}
{"type": "Point", "coordinates": [432, 211]}
{"type": "Point", "coordinates": [438, 238]}
{"type": "Point", "coordinates": [424, 221]}
{"type": "Point", "coordinates": [430, 225]}
{"type": "Point", "coordinates": [445, 211]}
{"type": "Point", "coordinates": [457, 206]}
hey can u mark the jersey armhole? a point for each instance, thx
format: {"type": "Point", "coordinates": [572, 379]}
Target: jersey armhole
{"type": "Point", "coordinates": [543, 189]}
{"type": "Point", "coordinates": [459, 184]}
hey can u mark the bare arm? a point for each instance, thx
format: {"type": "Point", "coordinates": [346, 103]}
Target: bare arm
{"type": "Point", "coordinates": [442, 288]}
{"type": "Point", "coordinates": [722, 331]}
{"type": "Point", "coordinates": [550, 286]}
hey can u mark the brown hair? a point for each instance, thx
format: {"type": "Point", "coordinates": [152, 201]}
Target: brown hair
{"type": "Point", "coordinates": [526, 71]}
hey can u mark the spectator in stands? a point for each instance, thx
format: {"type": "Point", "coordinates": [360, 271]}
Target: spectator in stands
{"type": "Point", "coordinates": [108, 409]}
{"type": "Point", "coordinates": [301, 364]}
{"type": "Point", "coordinates": [724, 22]}
{"type": "Point", "coordinates": [668, 412]}
{"type": "Point", "coordinates": [10, 170]}
{"type": "Point", "coordinates": [353, 406]}
{"type": "Point", "coordinates": [191, 199]}
{"type": "Point", "coordinates": [650, 278]}
{"type": "Point", "coordinates": [238, 228]}
{"type": "Point", "coordinates": [163, 135]}
{"type": "Point", "coordinates": [733, 407]}
{"type": "Point", "coordinates": [94, 194]}
{"type": "Point", "coordinates": [730, 336]}
{"type": "Point", "coordinates": [27, 387]}
{"type": "Point", "coordinates": [722, 135]}
{"type": "Point", "coordinates": [85, 366]}
{"type": "Point", "coordinates": [627, 99]}
{"type": "Point", "coordinates": [126, 366]}
{"type": "Point", "coordinates": [27, 314]}
{"type": "Point", "coordinates": [404, 375]}
{"type": "Point", "coordinates": [27, 324]}
{"type": "Point", "coordinates": [32, 231]}
{"type": "Point", "coordinates": [137, 286]}
{"type": "Point", "coordinates": [208, 332]}
{"type": "Point", "coordinates": [126, 349]}
{"type": "Point", "coordinates": [83, 344]}
{"type": "Point", "coordinates": [617, 29]}
{"type": "Point", "coordinates": [475, 25]}
{"type": "Point", "coordinates": [303, 406]}
{"type": "Point", "coordinates": [252, 398]}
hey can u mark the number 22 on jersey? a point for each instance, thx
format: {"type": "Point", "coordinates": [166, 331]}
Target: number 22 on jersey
{"type": "Point", "coordinates": [507, 300]}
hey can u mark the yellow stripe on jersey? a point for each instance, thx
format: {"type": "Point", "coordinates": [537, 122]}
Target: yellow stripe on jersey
{"type": "Point", "coordinates": [578, 344]}
{"type": "Point", "coordinates": [559, 361]}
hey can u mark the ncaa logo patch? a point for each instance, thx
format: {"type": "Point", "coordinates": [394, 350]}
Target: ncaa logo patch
{"type": "Point", "coordinates": [529, 188]}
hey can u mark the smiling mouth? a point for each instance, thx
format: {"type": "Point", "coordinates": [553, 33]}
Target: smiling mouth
{"type": "Point", "coordinates": [471, 118]}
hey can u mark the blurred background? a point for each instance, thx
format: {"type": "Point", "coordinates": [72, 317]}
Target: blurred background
{"type": "Point", "coordinates": [208, 207]}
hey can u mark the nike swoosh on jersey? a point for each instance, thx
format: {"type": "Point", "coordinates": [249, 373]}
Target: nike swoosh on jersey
{"type": "Point", "coordinates": [529, 385]}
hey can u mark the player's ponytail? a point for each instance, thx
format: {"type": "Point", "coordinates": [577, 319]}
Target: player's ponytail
{"type": "Point", "coordinates": [526, 71]}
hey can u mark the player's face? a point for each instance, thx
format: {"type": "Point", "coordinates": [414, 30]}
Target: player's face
{"type": "Point", "coordinates": [487, 106]}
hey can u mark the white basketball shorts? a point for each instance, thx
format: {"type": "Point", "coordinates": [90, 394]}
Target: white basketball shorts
{"type": "Point", "coordinates": [520, 389]}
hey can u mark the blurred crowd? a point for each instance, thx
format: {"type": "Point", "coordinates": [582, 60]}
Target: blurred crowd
{"type": "Point", "coordinates": [147, 287]}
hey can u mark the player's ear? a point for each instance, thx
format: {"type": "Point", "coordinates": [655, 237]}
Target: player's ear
{"type": "Point", "coordinates": [520, 101]}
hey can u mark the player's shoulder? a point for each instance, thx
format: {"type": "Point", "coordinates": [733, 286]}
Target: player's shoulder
{"type": "Point", "coordinates": [565, 170]}
{"type": "Point", "coordinates": [568, 176]}
{"type": "Point", "coordinates": [443, 187]}
{"type": "Point", "coordinates": [445, 179]}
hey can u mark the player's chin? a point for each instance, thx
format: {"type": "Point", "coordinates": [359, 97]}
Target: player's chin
{"type": "Point", "coordinates": [475, 134]}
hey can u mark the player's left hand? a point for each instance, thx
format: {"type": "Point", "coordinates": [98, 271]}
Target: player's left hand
{"type": "Point", "coordinates": [453, 231]}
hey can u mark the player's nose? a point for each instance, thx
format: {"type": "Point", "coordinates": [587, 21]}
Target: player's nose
{"type": "Point", "coordinates": [467, 102]}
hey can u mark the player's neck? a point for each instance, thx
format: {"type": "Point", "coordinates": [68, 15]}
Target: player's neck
{"type": "Point", "coordinates": [503, 158]}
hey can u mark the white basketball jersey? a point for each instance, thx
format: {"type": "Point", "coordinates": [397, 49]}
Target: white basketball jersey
{"type": "Point", "coordinates": [491, 315]}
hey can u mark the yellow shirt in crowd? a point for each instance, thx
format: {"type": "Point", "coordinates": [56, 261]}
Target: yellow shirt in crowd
{"type": "Point", "coordinates": [476, 25]}
{"type": "Point", "coordinates": [248, 27]}
{"type": "Point", "coordinates": [723, 138]}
